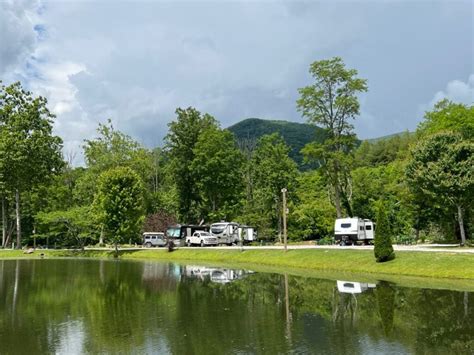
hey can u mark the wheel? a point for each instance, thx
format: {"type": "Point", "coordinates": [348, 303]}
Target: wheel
{"type": "Point", "coordinates": [202, 243]}
{"type": "Point", "coordinates": [148, 245]}
{"type": "Point", "coordinates": [188, 243]}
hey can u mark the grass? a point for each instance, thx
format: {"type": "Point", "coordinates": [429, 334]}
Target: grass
{"type": "Point", "coordinates": [439, 270]}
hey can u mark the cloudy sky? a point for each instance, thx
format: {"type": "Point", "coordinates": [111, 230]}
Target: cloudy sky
{"type": "Point", "coordinates": [136, 61]}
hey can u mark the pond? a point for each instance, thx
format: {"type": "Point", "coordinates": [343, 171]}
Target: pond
{"type": "Point", "coordinates": [101, 306]}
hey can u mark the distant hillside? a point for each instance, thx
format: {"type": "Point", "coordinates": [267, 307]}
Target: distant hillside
{"type": "Point", "coordinates": [383, 138]}
{"type": "Point", "coordinates": [295, 134]}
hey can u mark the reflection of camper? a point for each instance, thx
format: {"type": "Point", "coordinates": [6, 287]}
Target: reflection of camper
{"type": "Point", "coordinates": [179, 232]}
{"type": "Point", "coordinates": [353, 287]}
{"type": "Point", "coordinates": [352, 230]}
{"type": "Point", "coordinates": [217, 275]}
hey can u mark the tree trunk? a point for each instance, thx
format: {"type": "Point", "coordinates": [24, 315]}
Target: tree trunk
{"type": "Point", "coordinates": [4, 223]}
{"type": "Point", "coordinates": [337, 201]}
{"type": "Point", "coordinates": [461, 225]}
{"type": "Point", "coordinates": [101, 237]}
{"type": "Point", "coordinates": [18, 221]}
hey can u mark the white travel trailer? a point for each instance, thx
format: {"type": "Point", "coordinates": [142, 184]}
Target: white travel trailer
{"type": "Point", "coordinates": [353, 230]}
{"type": "Point", "coordinates": [247, 234]}
{"type": "Point", "coordinates": [226, 232]}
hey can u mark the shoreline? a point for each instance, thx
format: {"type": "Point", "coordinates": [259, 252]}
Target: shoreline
{"type": "Point", "coordinates": [411, 268]}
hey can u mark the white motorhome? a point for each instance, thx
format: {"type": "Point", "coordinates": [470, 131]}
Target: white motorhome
{"type": "Point", "coordinates": [353, 230]}
{"type": "Point", "coordinates": [226, 232]}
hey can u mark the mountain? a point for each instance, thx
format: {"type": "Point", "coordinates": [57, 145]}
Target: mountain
{"type": "Point", "coordinates": [295, 134]}
{"type": "Point", "coordinates": [389, 136]}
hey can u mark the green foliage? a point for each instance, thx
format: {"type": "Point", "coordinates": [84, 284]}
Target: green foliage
{"type": "Point", "coordinates": [312, 216]}
{"type": "Point", "coordinates": [449, 116]}
{"type": "Point", "coordinates": [383, 249]}
{"type": "Point", "coordinates": [441, 171]}
{"type": "Point", "coordinates": [181, 141]}
{"type": "Point", "coordinates": [119, 204]}
{"type": "Point", "coordinates": [296, 135]}
{"type": "Point", "coordinates": [272, 170]}
{"type": "Point", "coordinates": [216, 167]}
{"type": "Point", "coordinates": [74, 227]}
{"type": "Point", "coordinates": [332, 102]}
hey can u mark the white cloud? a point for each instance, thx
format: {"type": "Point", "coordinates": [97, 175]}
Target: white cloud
{"type": "Point", "coordinates": [456, 91]}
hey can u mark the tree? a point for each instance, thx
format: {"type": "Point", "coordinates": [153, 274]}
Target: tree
{"type": "Point", "coordinates": [273, 170]}
{"type": "Point", "coordinates": [441, 169]}
{"type": "Point", "coordinates": [217, 167]}
{"type": "Point", "coordinates": [77, 223]}
{"type": "Point", "coordinates": [383, 249]}
{"type": "Point", "coordinates": [29, 152]}
{"type": "Point", "coordinates": [332, 102]}
{"type": "Point", "coordinates": [449, 116]}
{"type": "Point", "coordinates": [119, 204]}
{"type": "Point", "coordinates": [180, 141]}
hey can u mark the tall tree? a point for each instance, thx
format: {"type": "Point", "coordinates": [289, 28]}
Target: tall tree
{"type": "Point", "coordinates": [217, 167]}
{"type": "Point", "coordinates": [29, 152]}
{"type": "Point", "coordinates": [273, 170]}
{"type": "Point", "coordinates": [332, 102]}
{"type": "Point", "coordinates": [181, 141]}
{"type": "Point", "coordinates": [442, 169]}
{"type": "Point", "coordinates": [119, 204]}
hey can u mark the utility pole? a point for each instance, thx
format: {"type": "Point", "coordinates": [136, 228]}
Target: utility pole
{"type": "Point", "coordinates": [283, 191]}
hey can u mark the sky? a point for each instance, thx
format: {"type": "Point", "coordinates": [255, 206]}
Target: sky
{"type": "Point", "coordinates": [135, 62]}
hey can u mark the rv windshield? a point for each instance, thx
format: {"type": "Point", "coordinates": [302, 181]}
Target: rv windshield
{"type": "Point", "coordinates": [173, 232]}
{"type": "Point", "coordinates": [217, 229]}
{"type": "Point", "coordinates": [345, 225]}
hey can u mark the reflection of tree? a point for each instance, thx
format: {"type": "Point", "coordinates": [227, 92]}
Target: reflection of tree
{"type": "Point", "coordinates": [385, 295]}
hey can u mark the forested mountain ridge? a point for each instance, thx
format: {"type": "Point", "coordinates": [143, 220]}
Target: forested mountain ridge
{"type": "Point", "coordinates": [295, 134]}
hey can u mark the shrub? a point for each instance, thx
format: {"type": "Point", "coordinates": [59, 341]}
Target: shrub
{"type": "Point", "coordinates": [383, 249]}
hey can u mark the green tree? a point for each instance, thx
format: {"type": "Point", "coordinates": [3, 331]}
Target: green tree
{"type": "Point", "coordinates": [119, 204]}
{"type": "Point", "coordinates": [383, 249]}
{"type": "Point", "coordinates": [217, 167]}
{"type": "Point", "coordinates": [442, 169]}
{"type": "Point", "coordinates": [29, 152]}
{"type": "Point", "coordinates": [273, 170]}
{"type": "Point", "coordinates": [449, 116]}
{"type": "Point", "coordinates": [332, 102]}
{"type": "Point", "coordinates": [112, 149]}
{"type": "Point", "coordinates": [181, 141]}
{"type": "Point", "coordinates": [77, 225]}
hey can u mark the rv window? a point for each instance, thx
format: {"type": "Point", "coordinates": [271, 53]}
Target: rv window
{"type": "Point", "coordinates": [368, 228]}
{"type": "Point", "coordinates": [345, 225]}
{"type": "Point", "coordinates": [361, 228]}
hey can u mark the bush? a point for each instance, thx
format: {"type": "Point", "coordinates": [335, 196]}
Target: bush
{"type": "Point", "coordinates": [383, 249]}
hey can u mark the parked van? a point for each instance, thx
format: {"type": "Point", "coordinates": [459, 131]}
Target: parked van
{"type": "Point", "coordinates": [353, 230]}
{"type": "Point", "coordinates": [154, 239]}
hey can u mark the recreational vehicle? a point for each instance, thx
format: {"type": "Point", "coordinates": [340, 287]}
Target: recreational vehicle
{"type": "Point", "coordinates": [353, 287]}
{"type": "Point", "coordinates": [178, 233]}
{"type": "Point", "coordinates": [353, 230]}
{"type": "Point", "coordinates": [226, 232]}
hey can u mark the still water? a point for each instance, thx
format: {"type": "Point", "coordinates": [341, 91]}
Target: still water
{"type": "Point", "coordinates": [99, 306]}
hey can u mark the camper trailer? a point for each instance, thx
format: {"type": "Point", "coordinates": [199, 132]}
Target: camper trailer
{"type": "Point", "coordinates": [247, 234]}
{"type": "Point", "coordinates": [226, 232]}
{"type": "Point", "coordinates": [353, 230]}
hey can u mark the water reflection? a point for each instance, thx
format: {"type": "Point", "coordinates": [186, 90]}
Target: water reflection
{"type": "Point", "coordinates": [91, 306]}
{"type": "Point", "coordinates": [353, 286]}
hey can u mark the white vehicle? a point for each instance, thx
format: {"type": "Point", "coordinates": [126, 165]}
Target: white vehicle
{"type": "Point", "coordinates": [201, 238]}
{"type": "Point", "coordinates": [226, 232]}
{"type": "Point", "coordinates": [353, 230]}
{"type": "Point", "coordinates": [353, 287]}
{"type": "Point", "coordinates": [246, 234]}
{"type": "Point", "coordinates": [154, 239]}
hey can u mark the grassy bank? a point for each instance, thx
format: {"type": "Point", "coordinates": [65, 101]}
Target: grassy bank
{"type": "Point", "coordinates": [440, 266]}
